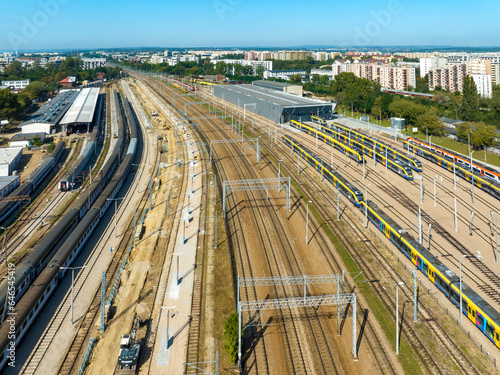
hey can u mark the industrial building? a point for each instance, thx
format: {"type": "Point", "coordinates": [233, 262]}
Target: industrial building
{"type": "Point", "coordinates": [48, 116]}
{"type": "Point", "coordinates": [285, 74]}
{"type": "Point", "coordinates": [80, 115]}
{"type": "Point", "coordinates": [15, 84]}
{"type": "Point", "coordinates": [280, 86]}
{"type": "Point", "coordinates": [8, 184]}
{"type": "Point", "coordinates": [9, 157]}
{"type": "Point", "coordinates": [25, 140]}
{"type": "Point", "coordinates": [274, 105]}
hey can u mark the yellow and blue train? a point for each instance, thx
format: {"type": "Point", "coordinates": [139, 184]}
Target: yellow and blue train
{"type": "Point", "coordinates": [381, 147]}
{"type": "Point", "coordinates": [474, 307]}
{"type": "Point", "coordinates": [349, 151]}
{"type": "Point", "coordinates": [484, 183]}
{"type": "Point", "coordinates": [394, 165]}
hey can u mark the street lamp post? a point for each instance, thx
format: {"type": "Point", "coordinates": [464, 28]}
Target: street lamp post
{"type": "Point", "coordinates": [397, 316]}
{"type": "Point", "coordinates": [72, 284]}
{"type": "Point", "coordinates": [496, 232]}
{"type": "Point", "coordinates": [115, 199]}
{"type": "Point", "coordinates": [307, 222]}
{"type": "Point", "coordinates": [460, 271]}
{"type": "Point", "coordinates": [468, 142]}
{"type": "Point", "coordinates": [168, 321]}
{"type": "Point", "coordinates": [3, 245]}
{"type": "Point", "coordinates": [472, 175]}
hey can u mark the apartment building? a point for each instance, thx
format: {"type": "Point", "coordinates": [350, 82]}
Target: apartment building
{"type": "Point", "coordinates": [388, 76]}
{"type": "Point", "coordinates": [427, 63]}
{"type": "Point", "coordinates": [483, 84]}
{"type": "Point", "coordinates": [451, 76]}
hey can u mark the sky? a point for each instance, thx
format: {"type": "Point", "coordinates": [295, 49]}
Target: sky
{"type": "Point", "coordinates": [94, 24]}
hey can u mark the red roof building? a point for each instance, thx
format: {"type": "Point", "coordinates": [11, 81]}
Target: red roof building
{"type": "Point", "coordinates": [68, 82]}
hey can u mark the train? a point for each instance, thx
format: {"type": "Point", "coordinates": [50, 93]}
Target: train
{"type": "Point", "coordinates": [28, 186]}
{"type": "Point", "coordinates": [183, 86]}
{"type": "Point", "coordinates": [29, 305]}
{"type": "Point", "coordinates": [474, 307]}
{"type": "Point", "coordinates": [396, 165]}
{"type": "Point", "coordinates": [30, 268]}
{"type": "Point", "coordinates": [487, 172]}
{"type": "Point", "coordinates": [67, 182]}
{"type": "Point", "coordinates": [349, 151]}
{"type": "Point", "coordinates": [381, 147]}
{"type": "Point", "coordinates": [484, 183]}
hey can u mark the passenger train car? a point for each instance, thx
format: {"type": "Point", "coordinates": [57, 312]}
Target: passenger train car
{"type": "Point", "coordinates": [486, 184]}
{"type": "Point", "coordinates": [349, 151]}
{"type": "Point", "coordinates": [30, 268]}
{"type": "Point", "coordinates": [474, 307]}
{"type": "Point", "coordinates": [489, 173]}
{"type": "Point", "coordinates": [37, 295]}
{"type": "Point", "coordinates": [32, 182]}
{"type": "Point", "coordinates": [353, 194]}
{"type": "Point", "coordinates": [183, 86]}
{"type": "Point", "coordinates": [396, 165]}
{"type": "Point", "coordinates": [67, 182]}
{"type": "Point", "coordinates": [414, 163]}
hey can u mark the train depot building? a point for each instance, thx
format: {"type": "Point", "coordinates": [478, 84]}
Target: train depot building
{"type": "Point", "coordinates": [274, 105]}
{"type": "Point", "coordinates": [81, 113]}
{"type": "Point", "coordinates": [9, 158]}
{"type": "Point", "coordinates": [47, 118]}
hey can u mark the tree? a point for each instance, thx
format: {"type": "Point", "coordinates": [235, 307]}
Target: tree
{"type": "Point", "coordinates": [260, 71]}
{"type": "Point", "coordinates": [463, 129]}
{"type": "Point", "coordinates": [430, 122]}
{"type": "Point", "coordinates": [324, 79]}
{"type": "Point", "coordinates": [484, 135]}
{"type": "Point", "coordinates": [231, 336]}
{"type": "Point", "coordinates": [470, 100]}
{"type": "Point", "coordinates": [407, 109]}
{"type": "Point", "coordinates": [9, 105]}
{"type": "Point", "coordinates": [35, 90]}
{"type": "Point", "coordinates": [36, 141]}
{"type": "Point", "coordinates": [296, 78]}
{"type": "Point", "coordinates": [15, 70]}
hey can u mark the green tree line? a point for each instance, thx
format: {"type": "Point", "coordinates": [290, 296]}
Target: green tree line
{"type": "Point", "coordinates": [43, 81]}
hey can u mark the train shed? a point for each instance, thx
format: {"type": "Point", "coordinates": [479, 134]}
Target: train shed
{"type": "Point", "coordinates": [274, 105]}
{"type": "Point", "coordinates": [80, 115]}
{"type": "Point", "coordinates": [47, 118]}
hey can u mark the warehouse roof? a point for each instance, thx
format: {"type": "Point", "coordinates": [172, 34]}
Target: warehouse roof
{"type": "Point", "coordinates": [7, 180]}
{"type": "Point", "coordinates": [26, 136]}
{"type": "Point", "coordinates": [272, 83]}
{"type": "Point", "coordinates": [9, 154]}
{"type": "Point", "coordinates": [83, 108]}
{"type": "Point", "coordinates": [276, 97]}
{"type": "Point", "coordinates": [52, 111]}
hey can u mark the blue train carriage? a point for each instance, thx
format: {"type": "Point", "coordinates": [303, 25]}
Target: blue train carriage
{"type": "Point", "coordinates": [346, 188]}
{"type": "Point", "coordinates": [318, 120]}
{"type": "Point", "coordinates": [477, 310]}
{"type": "Point", "coordinates": [481, 182]}
{"type": "Point", "coordinates": [330, 140]}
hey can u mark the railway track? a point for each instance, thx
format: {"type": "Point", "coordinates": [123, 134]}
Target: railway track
{"type": "Point", "coordinates": [23, 233]}
{"type": "Point", "coordinates": [455, 353]}
{"type": "Point", "coordinates": [489, 284]}
{"type": "Point", "coordinates": [459, 358]}
{"type": "Point", "coordinates": [38, 353]}
{"type": "Point", "coordinates": [77, 347]}
{"type": "Point", "coordinates": [193, 344]}
{"type": "Point", "coordinates": [287, 318]}
{"type": "Point", "coordinates": [379, 355]}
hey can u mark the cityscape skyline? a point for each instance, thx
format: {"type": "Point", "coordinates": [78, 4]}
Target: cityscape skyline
{"type": "Point", "coordinates": [66, 24]}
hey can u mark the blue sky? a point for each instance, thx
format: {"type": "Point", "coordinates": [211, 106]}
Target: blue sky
{"type": "Point", "coordinates": [82, 24]}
